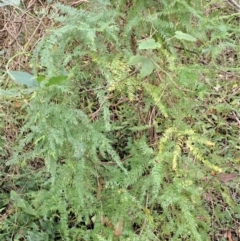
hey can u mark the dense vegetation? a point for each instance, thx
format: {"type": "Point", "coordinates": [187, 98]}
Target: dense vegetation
{"type": "Point", "coordinates": [127, 127]}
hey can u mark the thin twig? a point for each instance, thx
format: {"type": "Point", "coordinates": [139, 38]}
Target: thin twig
{"type": "Point", "coordinates": [236, 117]}
{"type": "Point", "coordinates": [234, 4]}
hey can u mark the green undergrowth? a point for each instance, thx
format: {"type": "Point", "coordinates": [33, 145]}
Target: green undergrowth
{"type": "Point", "coordinates": [132, 144]}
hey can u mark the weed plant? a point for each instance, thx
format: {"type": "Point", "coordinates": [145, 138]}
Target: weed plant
{"type": "Point", "coordinates": [131, 128]}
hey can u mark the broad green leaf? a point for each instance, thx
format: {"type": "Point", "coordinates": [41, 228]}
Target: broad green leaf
{"type": "Point", "coordinates": [23, 78]}
{"type": "Point", "coordinates": [149, 44]}
{"type": "Point", "coordinates": [21, 203]}
{"type": "Point", "coordinates": [134, 60]}
{"type": "Point", "coordinates": [17, 200]}
{"type": "Point", "coordinates": [207, 50]}
{"type": "Point", "coordinates": [147, 67]}
{"type": "Point", "coordinates": [4, 200]}
{"type": "Point", "coordinates": [9, 2]}
{"type": "Point", "coordinates": [56, 80]}
{"type": "Point", "coordinates": [180, 35]}
{"type": "Point", "coordinates": [40, 78]}
{"type": "Point", "coordinates": [8, 93]}
{"type": "Point", "coordinates": [29, 209]}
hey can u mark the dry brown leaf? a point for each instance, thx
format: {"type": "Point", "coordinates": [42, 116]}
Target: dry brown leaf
{"type": "Point", "coordinates": [229, 235]}
{"type": "Point", "coordinates": [228, 177]}
{"type": "Point", "coordinates": [106, 221]}
{"type": "Point", "coordinates": [118, 229]}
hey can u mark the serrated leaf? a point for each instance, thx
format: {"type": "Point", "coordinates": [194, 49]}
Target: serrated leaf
{"type": "Point", "coordinates": [23, 78]}
{"type": "Point", "coordinates": [56, 80]}
{"type": "Point", "coordinates": [21, 203]}
{"type": "Point", "coordinates": [180, 35]}
{"type": "Point", "coordinates": [149, 44]}
{"type": "Point", "coordinates": [17, 200]}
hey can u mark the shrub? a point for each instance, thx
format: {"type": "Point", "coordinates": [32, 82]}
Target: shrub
{"type": "Point", "coordinates": [130, 143]}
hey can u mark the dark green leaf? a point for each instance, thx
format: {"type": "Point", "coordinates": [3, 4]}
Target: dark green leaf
{"type": "Point", "coordinates": [21, 203]}
{"type": "Point", "coordinates": [17, 200]}
{"type": "Point", "coordinates": [56, 80]}
{"type": "Point", "coordinates": [40, 78]}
